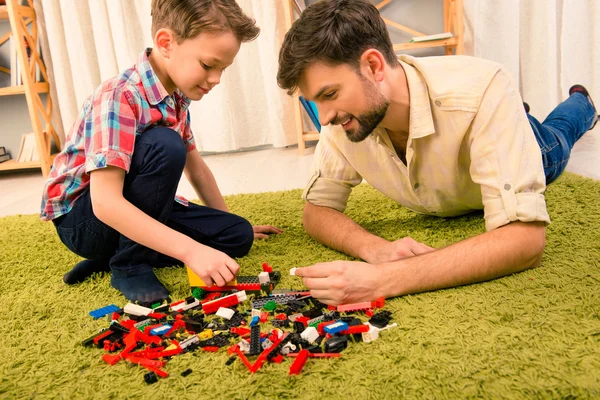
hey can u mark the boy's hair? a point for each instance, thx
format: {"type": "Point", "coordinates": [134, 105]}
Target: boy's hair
{"type": "Point", "coordinates": [188, 18]}
{"type": "Point", "coordinates": [334, 32]}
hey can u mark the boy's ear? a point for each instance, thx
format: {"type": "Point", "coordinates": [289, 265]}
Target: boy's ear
{"type": "Point", "coordinates": [163, 41]}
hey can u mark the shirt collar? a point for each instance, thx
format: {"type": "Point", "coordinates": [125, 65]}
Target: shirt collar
{"type": "Point", "coordinates": [155, 91]}
{"type": "Point", "coordinates": [421, 119]}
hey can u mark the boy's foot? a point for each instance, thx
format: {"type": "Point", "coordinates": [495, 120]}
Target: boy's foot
{"type": "Point", "coordinates": [84, 269]}
{"type": "Point", "coordinates": [526, 106]}
{"type": "Point", "coordinates": [142, 286]}
{"type": "Point", "coordinates": [581, 89]}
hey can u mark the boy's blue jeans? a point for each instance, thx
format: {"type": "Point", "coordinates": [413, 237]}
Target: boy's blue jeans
{"type": "Point", "coordinates": [156, 166]}
{"type": "Point", "coordinates": [559, 132]}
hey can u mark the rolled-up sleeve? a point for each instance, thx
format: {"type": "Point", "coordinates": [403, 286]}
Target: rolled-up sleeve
{"type": "Point", "coordinates": [505, 158]}
{"type": "Point", "coordinates": [333, 177]}
{"type": "Point", "coordinates": [110, 130]}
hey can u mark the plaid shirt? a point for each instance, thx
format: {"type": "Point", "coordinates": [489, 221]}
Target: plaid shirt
{"type": "Point", "coordinates": [104, 133]}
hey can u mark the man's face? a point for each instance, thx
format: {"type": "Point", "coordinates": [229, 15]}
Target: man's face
{"type": "Point", "coordinates": [195, 65]}
{"type": "Point", "coordinates": [344, 97]}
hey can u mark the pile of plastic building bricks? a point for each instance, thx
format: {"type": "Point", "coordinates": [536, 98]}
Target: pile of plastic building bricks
{"type": "Point", "coordinates": [254, 329]}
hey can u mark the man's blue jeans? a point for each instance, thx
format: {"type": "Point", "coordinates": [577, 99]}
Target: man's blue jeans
{"type": "Point", "coordinates": [559, 132]}
{"type": "Point", "coordinates": [156, 168]}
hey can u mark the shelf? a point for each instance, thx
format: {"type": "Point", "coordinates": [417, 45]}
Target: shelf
{"type": "Point", "coordinates": [424, 45]}
{"type": "Point", "coordinates": [12, 165]}
{"type": "Point", "coordinates": [24, 11]}
{"type": "Point", "coordinates": [40, 87]}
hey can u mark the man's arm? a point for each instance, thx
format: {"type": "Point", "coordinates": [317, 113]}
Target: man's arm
{"type": "Point", "coordinates": [334, 229]}
{"type": "Point", "coordinates": [203, 181]}
{"type": "Point", "coordinates": [503, 251]}
{"type": "Point", "coordinates": [512, 248]}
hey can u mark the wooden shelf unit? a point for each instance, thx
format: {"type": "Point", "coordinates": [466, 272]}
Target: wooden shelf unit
{"type": "Point", "coordinates": [453, 23]}
{"type": "Point", "coordinates": [41, 115]}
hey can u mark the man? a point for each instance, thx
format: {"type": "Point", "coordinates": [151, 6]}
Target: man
{"type": "Point", "coordinates": [440, 135]}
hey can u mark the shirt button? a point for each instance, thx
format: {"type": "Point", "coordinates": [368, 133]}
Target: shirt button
{"type": "Point", "coordinates": [507, 187]}
{"type": "Point", "coordinates": [438, 103]}
{"type": "Point", "coordinates": [416, 186]}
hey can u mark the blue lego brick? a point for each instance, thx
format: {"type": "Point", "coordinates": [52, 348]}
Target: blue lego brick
{"type": "Point", "coordinates": [253, 321]}
{"type": "Point", "coordinates": [161, 330]}
{"type": "Point", "coordinates": [101, 312]}
{"type": "Point", "coordinates": [336, 327]}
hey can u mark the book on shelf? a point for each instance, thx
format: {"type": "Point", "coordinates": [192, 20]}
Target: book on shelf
{"type": "Point", "coordinates": [4, 157]}
{"type": "Point", "coordinates": [2, 151]}
{"type": "Point", "coordinates": [28, 151]}
{"type": "Point", "coordinates": [16, 78]}
{"type": "Point", "coordinates": [428, 38]}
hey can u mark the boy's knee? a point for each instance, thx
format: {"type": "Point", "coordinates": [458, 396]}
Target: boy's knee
{"type": "Point", "coordinates": [169, 144]}
{"type": "Point", "coordinates": [243, 238]}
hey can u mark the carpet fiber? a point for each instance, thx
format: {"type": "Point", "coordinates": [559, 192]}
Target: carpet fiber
{"type": "Point", "coordinates": [531, 335]}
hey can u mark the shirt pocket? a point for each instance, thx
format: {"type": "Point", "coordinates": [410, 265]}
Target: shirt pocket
{"type": "Point", "coordinates": [457, 102]}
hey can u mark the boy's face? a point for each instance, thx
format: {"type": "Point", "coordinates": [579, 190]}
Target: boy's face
{"type": "Point", "coordinates": [195, 65]}
{"type": "Point", "coordinates": [344, 97]}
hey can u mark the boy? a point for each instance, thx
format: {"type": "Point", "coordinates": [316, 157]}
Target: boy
{"type": "Point", "coordinates": [111, 191]}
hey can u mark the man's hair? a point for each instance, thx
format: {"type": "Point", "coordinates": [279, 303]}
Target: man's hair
{"type": "Point", "coordinates": [188, 18]}
{"type": "Point", "coordinates": [334, 32]}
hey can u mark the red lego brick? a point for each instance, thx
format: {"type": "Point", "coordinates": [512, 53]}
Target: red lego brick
{"type": "Point", "coordinates": [299, 362]}
{"type": "Point", "coordinates": [355, 329]}
{"type": "Point", "coordinates": [266, 267]}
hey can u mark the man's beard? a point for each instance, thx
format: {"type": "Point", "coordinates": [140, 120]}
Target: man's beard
{"type": "Point", "coordinates": [368, 121]}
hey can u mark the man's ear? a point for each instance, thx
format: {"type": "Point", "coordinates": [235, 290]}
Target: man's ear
{"type": "Point", "coordinates": [372, 64]}
{"type": "Point", "coordinates": [163, 41]}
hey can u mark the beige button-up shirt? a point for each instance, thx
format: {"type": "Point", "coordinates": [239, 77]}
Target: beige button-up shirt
{"type": "Point", "coordinates": [470, 147]}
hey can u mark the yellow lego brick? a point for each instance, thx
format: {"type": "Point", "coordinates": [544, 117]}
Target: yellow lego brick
{"type": "Point", "coordinates": [196, 281]}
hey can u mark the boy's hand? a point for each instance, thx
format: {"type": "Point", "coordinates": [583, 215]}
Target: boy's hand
{"type": "Point", "coordinates": [212, 266]}
{"type": "Point", "coordinates": [263, 231]}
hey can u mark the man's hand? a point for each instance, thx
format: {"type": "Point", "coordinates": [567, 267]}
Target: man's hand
{"type": "Point", "coordinates": [263, 231]}
{"type": "Point", "coordinates": [212, 266]}
{"type": "Point", "coordinates": [343, 282]}
{"type": "Point", "coordinates": [398, 250]}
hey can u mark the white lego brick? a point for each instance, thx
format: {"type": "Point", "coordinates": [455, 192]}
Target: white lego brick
{"type": "Point", "coordinates": [191, 305]}
{"type": "Point", "coordinates": [310, 334]}
{"type": "Point", "coordinates": [134, 309]}
{"type": "Point", "coordinates": [372, 335]}
{"type": "Point", "coordinates": [263, 277]}
{"type": "Point", "coordinates": [289, 347]}
{"type": "Point", "coordinates": [241, 296]}
{"type": "Point", "coordinates": [226, 313]}
{"type": "Point", "coordinates": [293, 271]}
{"type": "Point", "coordinates": [294, 316]}
{"type": "Point", "coordinates": [255, 313]}
{"type": "Point", "coordinates": [244, 346]}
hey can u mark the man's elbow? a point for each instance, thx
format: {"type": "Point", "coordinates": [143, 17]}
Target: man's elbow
{"type": "Point", "coordinates": [538, 244]}
{"type": "Point", "coordinates": [307, 216]}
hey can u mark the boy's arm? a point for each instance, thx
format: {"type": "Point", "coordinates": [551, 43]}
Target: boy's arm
{"type": "Point", "coordinates": [110, 207]}
{"type": "Point", "coordinates": [203, 181]}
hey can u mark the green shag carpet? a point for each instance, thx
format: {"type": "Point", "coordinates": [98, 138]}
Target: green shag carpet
{"type": "Point", "coordinates": [531, 335]}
